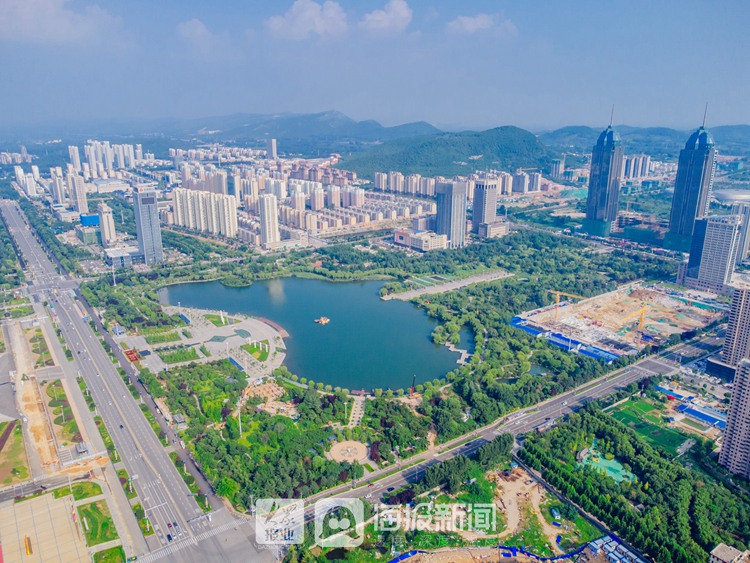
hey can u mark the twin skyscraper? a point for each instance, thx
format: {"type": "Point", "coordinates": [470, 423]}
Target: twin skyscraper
{"type": "Point", "coordinates": [692, 191]}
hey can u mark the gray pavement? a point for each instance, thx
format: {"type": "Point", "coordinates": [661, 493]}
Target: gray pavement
{"type": "Point", "coordinates": [163, 494]}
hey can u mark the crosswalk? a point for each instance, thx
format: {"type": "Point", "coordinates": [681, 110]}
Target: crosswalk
{"type": "Point", "coordinates": [191, 541]}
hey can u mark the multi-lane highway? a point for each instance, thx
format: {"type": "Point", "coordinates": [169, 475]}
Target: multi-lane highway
{"type": "Point", "coordinates": [166, 499]}
{"type": "Point", "coordinates": [518, 424]}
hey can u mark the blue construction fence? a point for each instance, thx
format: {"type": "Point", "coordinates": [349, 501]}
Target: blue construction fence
{"type": "Point", "coordinates": [506, 551]}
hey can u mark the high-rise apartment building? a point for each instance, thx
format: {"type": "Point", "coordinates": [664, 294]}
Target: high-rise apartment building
{"type": "Point", "coordinates": [269, 220]}
{"type": "Point", "coordinates": [381, 181]}
{"type": "Point", "coordinates": [713, 253]}
{"type": "Point", "coordinates": [206, 212]}
{"type": "Point", "coordinates": [520, 182]}
{"type": "Point", "coordinates": [558, 168]}
{"type": "Point", "coordinates": [78, 189]}
{"type": "Point", "coordinates": [75, 157]}
{"type": "Point", "coordinates": [535, 182]}
{"type": "Point", "coordinates": [485, 203]}
{"type": "Point", "coordinates": [451, 212]}
{"type": "Point", "coordinates": [604, 183]}
{"type": "Point", "coordinates": [737, 338]}
{"type": "Point", "coordinates": [106, 225]}
{"type": "Point", "coordinates": [692, 188]}
{"type": "Point", "coordinates": [147, 225]}
{"type": "Point", "coordinates": [735, 449]}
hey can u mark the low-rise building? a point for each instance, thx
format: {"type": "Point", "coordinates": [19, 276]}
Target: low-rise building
{"type": "Point", "coordinates": [424, 241]}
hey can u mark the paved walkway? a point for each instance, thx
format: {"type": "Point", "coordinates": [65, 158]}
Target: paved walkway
{"type": "Point", "coordinates": [448, 286]}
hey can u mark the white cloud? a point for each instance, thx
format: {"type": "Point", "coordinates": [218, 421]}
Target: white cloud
{"type": "Point", "coordinates": [195, 33]}
{"type": "Point", "coordinates": [52, 21]}
{"type": "Point", "coordinates": [307, 17]}
{"type": "Point", "coordinates": [393, 18]}
{"type": "Point", "coordinates": [494, 23]}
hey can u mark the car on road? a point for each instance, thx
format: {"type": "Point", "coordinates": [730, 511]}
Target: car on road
{"type": "Point", "coordinates": [169, 537]}
{"type": "Point", "coordinates": [391, 489]}
{"type": "Point", "coordinates": [565, 403]}
{"type": "Point", "coordinates": [121, 426]}
{"type": "Point", "coordinates": [368, 496]}
{"type": "Point", "coordinates": [169, 524]}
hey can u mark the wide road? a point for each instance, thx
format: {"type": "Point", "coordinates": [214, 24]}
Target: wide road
{"type": "Point", "coordinates": [375, 486]}
{"type": "Point", "coordinates": [161, 490]}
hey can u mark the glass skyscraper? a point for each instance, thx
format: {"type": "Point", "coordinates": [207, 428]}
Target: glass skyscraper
{"type": "Point", "coordinates": [451, 212]}
{"type": "Point", "coordinates": [147, 225]}
{"type": "Point", "coordinates": [692, 189]}
{"type": "Point", "coordinates": [604, 183]}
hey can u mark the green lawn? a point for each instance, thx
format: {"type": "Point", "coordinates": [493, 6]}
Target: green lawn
{"type": "Point", "coordinates": [645, 419]}
{"type": "Point", "coordinates": [63, 414]}
{"type": "Point", "coordinates": [179, 355]}
{"type": "Point", "coordinates": [95, 516]}
{"type": "Point", "coordinates": [40, 350]}
{"type": "Point", "coordinates": [13, 462]}
{"type": "Point", "coordinates": [143, 522]}
{"type": "Point", "coordinates": [122, 475]}
{"type": "Point", "coordinates": [216, 319]}
{"type": "Point", "coordinates": [162, 337]}
{"type": "Point", "coordinates": [255, 350]}
{"type": "Point", "coordinates": [531, 536]}
{"type": "Point", "coordinates": [151, 421]}
{"type": "Point", "coordinates": [81, 490]}
{"type": "Point", "coordinates": [111, 555]}
{"type": "Point", "coordinates": [109, 444]}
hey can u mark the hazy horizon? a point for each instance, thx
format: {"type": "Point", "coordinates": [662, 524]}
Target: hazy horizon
{"type": "Point", "coordinates": [475, 64]}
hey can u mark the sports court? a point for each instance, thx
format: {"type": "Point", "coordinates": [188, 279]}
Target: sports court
{"type": "Point", "coordinates": [53, 535]}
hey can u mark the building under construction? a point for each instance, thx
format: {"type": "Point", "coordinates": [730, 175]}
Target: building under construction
{"type": "Point", "coordinates": [621, 322]}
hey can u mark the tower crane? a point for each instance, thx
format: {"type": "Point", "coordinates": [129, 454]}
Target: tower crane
{"type": "Point", "coordinates": [557, 295]}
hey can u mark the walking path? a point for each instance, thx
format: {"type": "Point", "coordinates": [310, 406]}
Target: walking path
{"type": "Point", "coordinates": [448, 286]}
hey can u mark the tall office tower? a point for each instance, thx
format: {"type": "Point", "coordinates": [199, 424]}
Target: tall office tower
{"type": "Point", "coordinates": [269, 220]}
{"type": "Point", "coordinates": [692, 188]}
{"type": "Point", "coordinates": [147, 225]}
{"type": "Point", "coordinates": [604, 183]}
{"type": "Point", "coordinates": [520, 182]}
{"type": "Point", "coordinates": [381, 181]}
{"type": "Point", "coordinates": [396, 182]}
{"type": "Point", "coordinates": [271, 153]}
{"type": "Point", "coordinates": [485, 203]}
{"type": "Point", "coordinates": [78, 189]}
{"type": "Point", "coordinates": [535, 182]}
{"type": "Point", "coordinates": [713, 253]}
{"type": "Point", "coordinates": [558, 168]}
{"type": "Point", "coordinates": [735, 450]}
{"type": "Point", "coordinates": [451, 212]}
{"type": "Point", "coordinates": [106, 225]}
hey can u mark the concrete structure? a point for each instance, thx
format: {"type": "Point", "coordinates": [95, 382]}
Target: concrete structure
{"type": "Point", "coordinates": [740, 202]}
{"type": "Point", "coordinates": [692, 188]}
{"type": "Point", "coordinates": [147, 225]}
{"type": "Point", "coordinates": [269, 220]}
{"type": "Point", "coordinates": [724, 553]}
{"type": "Point", "coordinates": [737, 337]}
{"type": "Point", "coordinates": [78, 189]}
{"type": "Point", "coordinates": [423, 241]}
{"type": "Point", "coordinates": [75, 157]}
{"type": "Point", "coordinates": [713, 254]}
{"type": "Point", "coordinates": [451, 212]}
{"type": "Point", "coordinates": [485, 203]}
{"type": "Point", "coordinates": [106, 225]}
{"type": "Point", "coordinates": [558, 168]}
{"type": "Point", "coordinates": [535, 182]}
{"type": "Point", "coordinates": [735, 450]}
{"type": "Point", "coordinates": [206, 212]}
{"type": "Point", "coordinates": [271, 149]}
{"type": "Point", "coordinates": [123, 257]}
{"type": "Point", "coordinates": [496, 229]}
{"type": "Point", "coordinates": [604, 183]}
{"type": "Point", "coordinates": [520, 182]}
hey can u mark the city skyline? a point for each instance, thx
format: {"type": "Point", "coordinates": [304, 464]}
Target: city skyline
{"type": "Point", "coordinates": [54, 45]}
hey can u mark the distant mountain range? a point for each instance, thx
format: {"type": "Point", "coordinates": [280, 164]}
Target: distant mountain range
{"type": "Point", "coordinates": [659, 142]}
{"type": "Point", "coordinates": [449, 154]}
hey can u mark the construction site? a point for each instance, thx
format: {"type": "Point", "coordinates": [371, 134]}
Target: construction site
{"type": "Point", "coordinates": [621, 322]}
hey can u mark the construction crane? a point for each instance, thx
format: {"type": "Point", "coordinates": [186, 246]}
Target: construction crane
{"type": "Point", "coordinates": [641, 314]}
{"type": "Point", "coordinates": [557, 295]}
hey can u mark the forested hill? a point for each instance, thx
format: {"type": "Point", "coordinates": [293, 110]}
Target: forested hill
{"type": "Point", "coordinates": [447, 154]}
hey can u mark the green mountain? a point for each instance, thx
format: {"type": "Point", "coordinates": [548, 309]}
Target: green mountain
{"type": "Point", "coordinates": [449, 154]}
{"type": "Point", "coordinates": [661, 143]}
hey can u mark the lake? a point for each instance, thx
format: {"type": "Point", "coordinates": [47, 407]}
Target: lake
{"type": "Point", "coordinates": [368, 344]}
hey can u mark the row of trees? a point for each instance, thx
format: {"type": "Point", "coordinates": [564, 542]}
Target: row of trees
{"type": "Point", "coordinates": [671, 512]}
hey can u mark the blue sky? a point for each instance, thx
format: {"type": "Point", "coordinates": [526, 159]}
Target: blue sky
{"type": "Point", "coordinates": [472, 63]}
